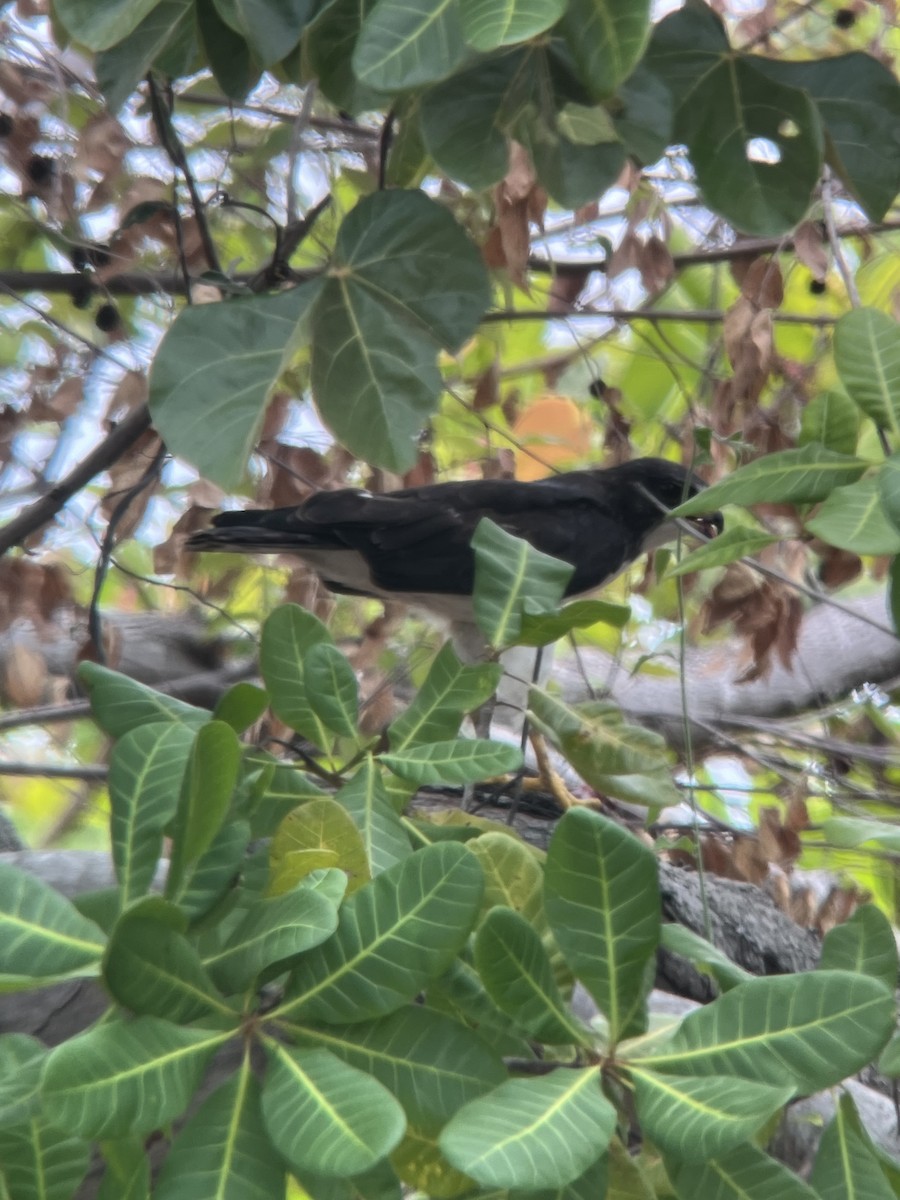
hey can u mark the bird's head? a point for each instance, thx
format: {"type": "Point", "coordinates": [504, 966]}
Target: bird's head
{"type": "Point", "coordinates": [655, 486]}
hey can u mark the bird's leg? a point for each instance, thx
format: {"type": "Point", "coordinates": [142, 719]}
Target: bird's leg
{"type": "Point", "coordinates": [548, 775]}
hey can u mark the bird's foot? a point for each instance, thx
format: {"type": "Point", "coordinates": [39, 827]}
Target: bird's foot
{"type": "Point", "coordinates": [550, 780]}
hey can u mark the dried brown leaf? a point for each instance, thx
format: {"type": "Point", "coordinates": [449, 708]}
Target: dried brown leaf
{"type": "Point", "coordinates": [836, 567]}
{"type": "Point", "coordinates": [656, 265]}
{"type": "Point", "coordinates": [169, 557]}
{"type": "Point", "coordinates": [423, 473]}
{"type": "Point", "coordinates": [61, 404]}
{"type": "Point", "coordinates": [625, 256]}
{"type": "Point", "coordinates": [101, 147]}
{"type": "Point", "coordinates": [749, 859]}
{"type": "Point", "coordinates": [24, 676]}
{"type": "Point", "coordinates": [811, 248]}
{"type": "Point", "coordinates": [762, 283]}
{"type": "Point", "coordinates": [565, 290]}
{"type": "Point", "coordinates": [487, 387]}
{"type": "Point", "coordinates": [130, 393]}
{"type": "Point", "coordinates": [778, 843]}
{"type": "Point", "coordinates": [32, 591]}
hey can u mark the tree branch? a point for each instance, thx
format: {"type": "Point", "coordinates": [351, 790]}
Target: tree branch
{"type": "Point", "coordinates": [100, 458]}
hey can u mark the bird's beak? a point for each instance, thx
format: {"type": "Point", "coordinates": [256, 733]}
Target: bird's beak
{"type": "Point", "coordinates": [709, 525]}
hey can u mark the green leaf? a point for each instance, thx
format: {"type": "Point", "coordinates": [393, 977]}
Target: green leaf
{"type": "Point", "coordinates": [403, 45]}
{"type": "Point", "coordinates": [329, 42]}
{"type": "Point", "coordinates": [366, 800]}
{"type": "Point", "coordinates": [512, 876]}
{"type": "Point", "coordinates": [332, 688]}
{"type": "Point", "coordinates": [509, 571]}
{"type": "Point", "coordinates": [325, 1116]}
{"type": "Point", "coordinates": [800, 476]}
{"type": "Point", "coordinates": [846, 1161]}
{"type": "Point", "coordinates": [288, 635]}
{"type": "Point", "coordinates": [273, 931]}
{"type": "Point", "coordinates": [215, 372]}
{"type": "Point", "coordinates": [271, 28]}
{"type": "Point", "coordinates": [858, 101]}
{"type": "Point", "coordinates": [320, 833]}
{"type": "Point", "coordinates": [864, 943]}
{"type": "Point", "coordinates": [601, 895]}
{"type": "Point", "coordinates": [541, 628]}
{"type": "Point", "coordinates": [852, 518]}
{"type": "Point", "coordinates": [744, 1174]}
{"type": "Point", "coordinates": [532, 1133]}
{"type": "Point", "coordinates": [127, 1174]}
{"type": "Point", "coordinates": [465, 760]}
{"type": "Point", "coordinates": [167, 29]}
{"type": "Point", "coordinates": [285, 790]}
{"type": "Point", "coordinates": [894, 593]}
{"type": "Point", "coordinates": [703, 955]}
{"type": "Point", "coordinates": [42, 936]}
{"type": "Point", "coordinates": [518, 975]}
{"type": "Point", "coordinates": [404, 281]}
{"type": "Point", "coordinates": [216, 871]}
{"type": "Point", "coordinates": [459, 993]}
{"type": "Point", "coordinates": [738, 542]}
{"type": "Point", "coordinates": [99, 26]}
{"type": "Point", "coordinates": [241, 706]}
{"type": "Point", "coordinates": [152, 969]}
{"type": "Point", "coordinates": [39, 1162]}
{"type": "Point", "coordinates": [832, 419]}
{"type": "Point", "coordinates": [394, 935]}
{"type": "Point", "coordinates": [867, 357]}
{"type": "Point", "coordinates": [120, 704]}
{"type": "Point", "coordinates": [810, 1030]}
{"type": "Point", "coordinates": [224, 1149]}
{"type": "Point", "coordinates": [21, 1066]}
{"type": "Point", "coordinates": [888, 479]}
{"type": "Point", "coordinates": [209, 782]}
{"type": "Point", "coordinates": [488, 25]}
{"type": "Point", "coordinates": [699, 1119]}
{"type": "Point", "coordinates": [463, 120]}
{"type": "Point", "coordinates": [432, 1064]}
{"type": "Point", "coordinates": [607, 38]}
{"type": "Point", "coordinates": [643, 115]}
{"type": "Point", "coordinates": [146, 770]}
{"type": "Point", "coordinates": [125, 1077]}
{"type": "Point", "coordinates": [725, 106]}
{"type": "Point", "coordinates": [449, 692]}
{"type": "Point", "coordinates": [234, 67]}
{"type": "Point", "coordinates": [850, 832]}
{"type": "Point", "coordinates": [616, 759]}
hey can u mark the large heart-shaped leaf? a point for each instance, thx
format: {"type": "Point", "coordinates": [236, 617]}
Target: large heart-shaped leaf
{"type": "Point", "coordinates": [756, 144]}
{"type": "Point", "coordinates": [215, 371]}
{"type": "Point", "coordinates": [404, 281]}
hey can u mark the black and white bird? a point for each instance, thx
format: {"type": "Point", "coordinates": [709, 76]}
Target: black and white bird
{"type": "Point", "coordinates": [415, 545]}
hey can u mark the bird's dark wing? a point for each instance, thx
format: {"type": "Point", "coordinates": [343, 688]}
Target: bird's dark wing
{"type": "Point", "coordinates": [419, 540]}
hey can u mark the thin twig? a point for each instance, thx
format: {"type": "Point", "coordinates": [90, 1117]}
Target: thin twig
{"type": "Point", "coordinates": [151, 475]}
{"type": "Point", "coordinates": [298, 128]}
{"type": "Point", "coordinates": [698, 316]}
{"type": "Point", "coordinates": [837, 250]}
{"type": "Point", "coordinates": [172, 145]}
{"type": "Point", "coordinates": [74, 771]}
{"type": "Point", "coordinates": [745, 248]}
